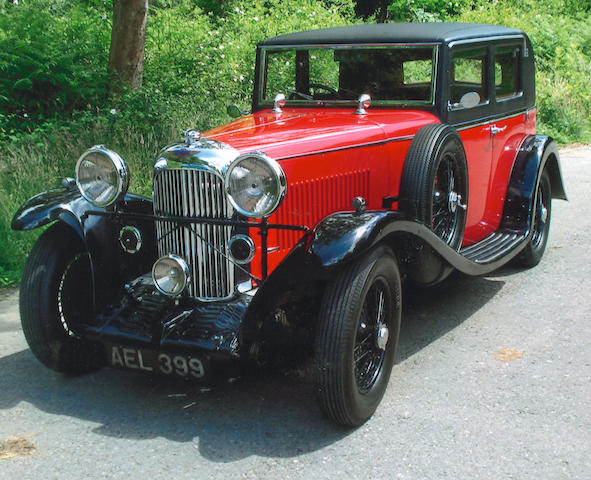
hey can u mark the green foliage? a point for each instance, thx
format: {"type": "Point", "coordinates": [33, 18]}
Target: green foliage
{"type": "Point", "coordinates": [53, 62]}
{"type": "Point", "coordinates": [211, 57]}
{"type": "Point", "coordinates": [41, 76]}
{"type": "Point", "coordinates": [425, 10]}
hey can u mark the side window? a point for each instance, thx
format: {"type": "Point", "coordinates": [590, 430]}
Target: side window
{"type": "Point", "coordinates": [469, 69]}
{"type": "Point", "coordinates": [507, 72]}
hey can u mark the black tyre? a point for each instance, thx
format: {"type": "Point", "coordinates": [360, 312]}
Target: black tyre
{"type": "Point", "coordinates": [533, 252]}
{"type": "Point", "coordinates": [55, 293]}
{"type": "Point", "coordinates": [357, 336]}
{"type": "Point", "coordinates": [434, 182]}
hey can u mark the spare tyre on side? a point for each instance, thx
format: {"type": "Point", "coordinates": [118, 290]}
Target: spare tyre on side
{"type": "Point", "coordinates": [434, 191]}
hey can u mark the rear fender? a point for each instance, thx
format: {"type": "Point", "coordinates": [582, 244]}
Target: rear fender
{"type": "Point", "coordinates": [537, 153]}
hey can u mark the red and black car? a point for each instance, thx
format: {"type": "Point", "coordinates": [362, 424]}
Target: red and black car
{"type": "Point", "coordinates": [373, 153]}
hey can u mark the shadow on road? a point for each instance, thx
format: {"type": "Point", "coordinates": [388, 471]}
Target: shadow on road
{"type": "Point", "coordinates": [429, 313]}
{"type": "Point", "coordinates": [270, 417]}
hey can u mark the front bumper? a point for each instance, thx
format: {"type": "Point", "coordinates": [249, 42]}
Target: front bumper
{"type": "Point", "coordinates": [144, 318]}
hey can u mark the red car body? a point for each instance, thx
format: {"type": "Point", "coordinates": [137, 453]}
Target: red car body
{"type": "Point", "coordinates": [319, 152]}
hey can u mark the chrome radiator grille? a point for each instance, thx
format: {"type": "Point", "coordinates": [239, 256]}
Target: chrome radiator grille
{"type": "Point", "coordinates": [195, 193]}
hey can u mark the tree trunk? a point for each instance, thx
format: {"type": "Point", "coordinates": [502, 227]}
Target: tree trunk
{"type": "Point", "coordinates": [128, 38]}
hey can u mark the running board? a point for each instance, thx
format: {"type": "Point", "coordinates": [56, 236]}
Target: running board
{"type": "Point", "coordinates": [497, 245]}
{"type": "Point", "coordinates": [484, 256]}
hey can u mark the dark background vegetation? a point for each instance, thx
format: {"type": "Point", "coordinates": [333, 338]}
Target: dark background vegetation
{"type": "Point", "coordinates": [199, 56]}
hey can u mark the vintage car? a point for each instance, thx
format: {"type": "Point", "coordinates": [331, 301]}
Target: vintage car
{"type": "Point", "coordinates": [373, 154]}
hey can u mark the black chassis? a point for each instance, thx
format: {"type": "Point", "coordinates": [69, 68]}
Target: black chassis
{"type": "Point", "coordinates": [279, 318]}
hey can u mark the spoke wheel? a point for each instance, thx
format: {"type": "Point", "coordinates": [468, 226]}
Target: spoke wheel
{"type": "Point", "coordinates": [434, 191]}
{"type": "Point", "coordinates": [447, 207]}
{"type": "Point", "coordinates": [358, 327]}
{"type": "Point", "coordinates": [534, 250]}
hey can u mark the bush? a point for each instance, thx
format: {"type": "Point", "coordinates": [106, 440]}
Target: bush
{"type": "Point", "coordinates": [50, 64]}
{"type": "Point", "coordinates": [425, 10]}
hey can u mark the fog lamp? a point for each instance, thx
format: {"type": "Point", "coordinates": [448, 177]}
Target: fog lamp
{"type": "Point", "coordinates": [241, 248]}
{"type": "Point", "coordinates": [171, 275]}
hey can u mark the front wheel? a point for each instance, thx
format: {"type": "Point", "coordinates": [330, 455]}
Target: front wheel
{"type": "Point", "coordinates": [357, 336]}
{"type": "Point", "coordinates": [55, 294]}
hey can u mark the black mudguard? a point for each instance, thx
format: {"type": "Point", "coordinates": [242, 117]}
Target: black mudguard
{"type": "Point", "coordinates": [110, 264]}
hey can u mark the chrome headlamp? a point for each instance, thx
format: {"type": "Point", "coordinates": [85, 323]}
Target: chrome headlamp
{"type": "Point", "coordinates": [255, 184]}
{"type": "Point", "coordinates": [102, 176]}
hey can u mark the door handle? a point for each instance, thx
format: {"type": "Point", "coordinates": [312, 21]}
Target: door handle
{"type": "Point", "coordinates": [494, 129]}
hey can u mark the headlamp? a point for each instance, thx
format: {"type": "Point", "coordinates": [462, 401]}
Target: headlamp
{"type": "Point", "coordinates": [102, 176]}
{"type": "Point", "coordinates": [255, 184]}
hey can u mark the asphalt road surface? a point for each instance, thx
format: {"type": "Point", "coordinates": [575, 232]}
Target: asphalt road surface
{"type": "Point", "coordinates": [493, 381]}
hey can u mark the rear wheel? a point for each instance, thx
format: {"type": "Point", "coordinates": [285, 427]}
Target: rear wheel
{"type": "Point", "coordinates": [534, 251]}
{"type": "Point", "coordinates": [357, 337]}
{"type": "Point", "coordinates": [55, 294]}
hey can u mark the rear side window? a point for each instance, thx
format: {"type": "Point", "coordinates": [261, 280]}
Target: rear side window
{"type": "Point", "coordinates": [469, 74]}
{"type": "Point", "coordinates": [507, 75]}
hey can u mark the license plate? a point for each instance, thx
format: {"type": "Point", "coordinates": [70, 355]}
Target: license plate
{"type": "Point", "coordinates": [144, 360]}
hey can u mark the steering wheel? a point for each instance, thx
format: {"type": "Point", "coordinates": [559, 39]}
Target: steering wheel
{"type": "Point", "coordinates": [321, 86]}
{"type": "Point", "coordinates": [313, 86]}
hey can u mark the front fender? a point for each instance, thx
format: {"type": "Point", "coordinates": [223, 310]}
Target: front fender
{"type": "Point", "coordinates": [100, 234]}
{"type": "Point", "coordinates": [63, 203]}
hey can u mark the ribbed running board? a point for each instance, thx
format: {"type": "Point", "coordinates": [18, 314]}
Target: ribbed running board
{"type": "Point", "coordinates": [493, 247]}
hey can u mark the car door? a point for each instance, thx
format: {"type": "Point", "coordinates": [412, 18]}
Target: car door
{"type": "Point", "coordinates": [507, 129]}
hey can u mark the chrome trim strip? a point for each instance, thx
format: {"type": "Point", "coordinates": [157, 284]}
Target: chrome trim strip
{"type": "Point", "coordinates": [350, 147]}
{"type": "Point", "coordinates": [486, 39]}
{"type": "Point", "coordinates": [477, 123]}
{"type": "Point", "coordinates": [453, 108]}
{"type": "Point", "coordinates": [508, 99]}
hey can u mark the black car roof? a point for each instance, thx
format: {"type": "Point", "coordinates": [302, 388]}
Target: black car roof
{"type": "Point", "coordinates": [393, 33]}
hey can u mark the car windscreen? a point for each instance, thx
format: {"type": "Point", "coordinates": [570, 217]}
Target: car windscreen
{"type": "Point", "coordinates": [334, 74]}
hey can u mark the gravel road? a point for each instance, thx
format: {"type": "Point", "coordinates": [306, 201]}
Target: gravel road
{"type": "Point", "coordinates": [493, 381]}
